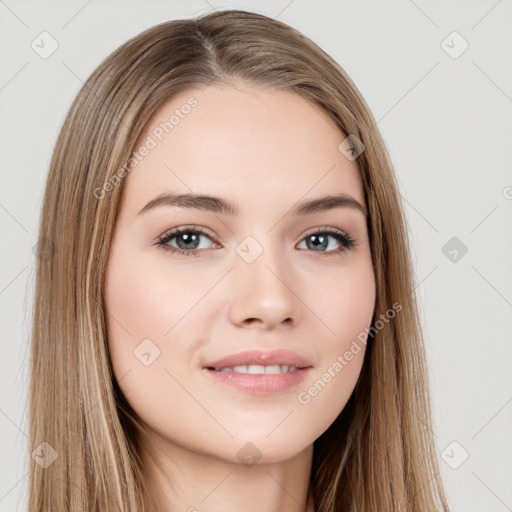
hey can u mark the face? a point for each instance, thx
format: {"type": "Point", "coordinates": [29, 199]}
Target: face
{"type": "Point", "coordinates": [264, 278]}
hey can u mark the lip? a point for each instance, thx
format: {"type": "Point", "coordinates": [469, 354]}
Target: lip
{"type": "Point", "coordinates": [259, 357]}
{"type": "Point", "coordinates": [260, 384]}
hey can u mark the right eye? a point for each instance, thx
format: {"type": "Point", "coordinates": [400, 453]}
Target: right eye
{"type": "Point", "coordinates": [188, 240]}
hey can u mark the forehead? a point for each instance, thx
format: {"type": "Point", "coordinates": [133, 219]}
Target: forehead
{"type": "Point", "coordinates": [247, 142]}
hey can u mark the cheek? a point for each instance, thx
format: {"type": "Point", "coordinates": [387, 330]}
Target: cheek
{"type": "Point", "coordinates": [344, 302]}
{"type": "Point", "coordinates": [146, 309]}
{"type": "Point", "coordinates": [137, 315]}
{"type": "Point", "coordinates": [157, 308]}
{"type": "Point", "coordinates": [143, 300]}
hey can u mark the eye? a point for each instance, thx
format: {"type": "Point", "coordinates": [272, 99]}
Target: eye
{"type": "Point", "coordinates": [319, 239]}
{"type": "Point", "coordinates": [187, 239]}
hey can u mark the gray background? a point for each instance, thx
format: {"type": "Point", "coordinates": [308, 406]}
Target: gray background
{"type": "Point", "coordinates": [447, 121]}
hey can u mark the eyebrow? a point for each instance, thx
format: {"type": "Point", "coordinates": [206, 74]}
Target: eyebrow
{"type": "Point", "coordinates": [222, 206]}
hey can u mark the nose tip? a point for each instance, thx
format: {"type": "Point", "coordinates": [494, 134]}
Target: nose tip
{"type": "Point", "coordinates": [262, 296]}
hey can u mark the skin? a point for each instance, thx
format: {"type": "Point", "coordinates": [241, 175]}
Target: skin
{"type": "Point", "coordinates": [265, 150]}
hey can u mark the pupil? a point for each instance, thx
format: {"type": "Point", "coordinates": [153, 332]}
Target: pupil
{"type": "Point", "coordinates": [318, 240]}
{"type": "Point", "coordinates": [191, 241]}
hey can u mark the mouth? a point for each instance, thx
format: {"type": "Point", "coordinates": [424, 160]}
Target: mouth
{"type": "Point", "coordinates": [252, 361]}
{"type": "Point", "coordinates": [254, 369]}
{"type": "Point", "coordinates": [260, 372]}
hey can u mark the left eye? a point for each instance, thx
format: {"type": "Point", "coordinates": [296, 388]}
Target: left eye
{"type": "Point", "coordinates": [320, 239]}
{"type": "Point", "coordinates": [188, 241]}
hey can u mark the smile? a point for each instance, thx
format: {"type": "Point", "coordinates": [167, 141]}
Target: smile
{"type": "Point", "coordinates": [255, 369]}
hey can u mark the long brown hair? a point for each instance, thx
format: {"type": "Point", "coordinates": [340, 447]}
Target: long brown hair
{"type": "Point", "coordinates": [379, 454]}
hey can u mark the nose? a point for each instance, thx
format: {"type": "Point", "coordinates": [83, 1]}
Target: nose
{"type": "Point", "coordinates": [262, 292]}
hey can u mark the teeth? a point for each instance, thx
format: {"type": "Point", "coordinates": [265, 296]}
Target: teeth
{"type": "Point", "coordinates": [255, 369]}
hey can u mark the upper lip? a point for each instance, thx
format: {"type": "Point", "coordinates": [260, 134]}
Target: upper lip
{"type": "Point", "coordinates": [279, 357]}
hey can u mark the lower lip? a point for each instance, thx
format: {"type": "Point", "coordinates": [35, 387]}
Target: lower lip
{"type": "Point", "coordinates": [261, 383]}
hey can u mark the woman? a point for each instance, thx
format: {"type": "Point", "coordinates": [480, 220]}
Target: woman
{"type": "Point", "coordinates": [284, 361]}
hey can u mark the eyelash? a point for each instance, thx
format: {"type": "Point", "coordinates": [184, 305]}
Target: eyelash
{"type": "Point", "coordinates": [346, 241]}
